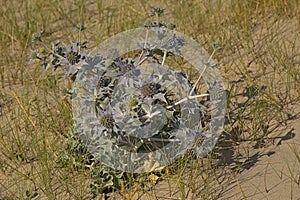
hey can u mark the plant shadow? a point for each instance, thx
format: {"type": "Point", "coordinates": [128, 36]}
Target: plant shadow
{"type": "Point", "coordinates": [231, 157]}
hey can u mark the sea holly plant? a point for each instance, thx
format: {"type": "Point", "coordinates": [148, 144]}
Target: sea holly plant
{"type": "Point", "coordinates": [136, 114]}
{"type": "Point", "coordinates": [149, 113]}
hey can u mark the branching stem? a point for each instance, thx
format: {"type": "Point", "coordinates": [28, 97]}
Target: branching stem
{"type": "Point", "coordinates": [187, 98]}
{"type": "Point", "coordinates": [164, 58]}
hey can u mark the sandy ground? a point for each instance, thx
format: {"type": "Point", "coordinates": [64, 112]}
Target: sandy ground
{"type": "Point", "coordinates": [276, 175]}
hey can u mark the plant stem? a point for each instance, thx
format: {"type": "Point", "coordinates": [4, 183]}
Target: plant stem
{"type": "Point", "coordinates": [164, 58]}
{"type": "Point", "coordinates": [195, 85]}
{"type": "Point", "coordinates": [188, 98]}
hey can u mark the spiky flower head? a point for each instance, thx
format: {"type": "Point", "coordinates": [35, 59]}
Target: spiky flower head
{"type": "Point", "coordinates": [148, 88]}
{"type": "Point", "coordinates": [123, 65]}
{"type": "Point", "coordinates": [156, 11]}
{"type": "Point", "coordinates": [107, 120]}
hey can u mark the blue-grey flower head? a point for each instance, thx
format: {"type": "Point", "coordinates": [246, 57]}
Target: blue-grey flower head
{"type": "Point", "coordinates": [156, 11]}
{"type": "Point", "coordinates": [149, 88]}
{"type": "Point", "coordinates": [106, 119]}
{"type": "Point", "coordinates": [124, 65]}
{"type": "Point", "coordinates": [173, 42]}
{"type": "Point", "coordinates": [72, 55]}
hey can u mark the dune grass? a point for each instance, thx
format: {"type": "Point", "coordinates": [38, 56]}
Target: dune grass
{"type": "Point", "coordinates": [260, 64]}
